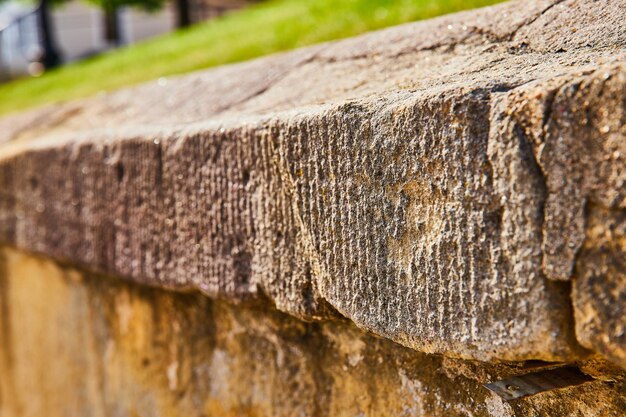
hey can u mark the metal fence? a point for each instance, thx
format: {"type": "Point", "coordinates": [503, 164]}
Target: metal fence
{"type": "Point", "coordinates": [20, 46]}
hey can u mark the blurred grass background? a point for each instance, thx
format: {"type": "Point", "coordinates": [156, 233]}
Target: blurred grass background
{"type": "Point", "coordinates": [268, 27]}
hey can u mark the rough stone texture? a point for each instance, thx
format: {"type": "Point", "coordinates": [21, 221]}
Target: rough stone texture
{"type": "Point", "coordinates": [580, 143]}
{"type": "Point", "coordinates": [438, 184]}
{"type": "Point", "coordinates": [121, 349]}
{"type": "Point", "coordinates": [599, 295]}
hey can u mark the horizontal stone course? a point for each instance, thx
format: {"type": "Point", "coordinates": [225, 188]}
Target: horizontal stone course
{"type": "Point", "coordinates": [82, 344]}
{"type": "Point", "coordinates": [438, 183]}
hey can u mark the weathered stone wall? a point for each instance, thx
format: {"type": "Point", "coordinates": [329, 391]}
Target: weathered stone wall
{"type": "Point", "coordinates": [455, 186]}
{"type": "Point", "coordinates": [78, 344]}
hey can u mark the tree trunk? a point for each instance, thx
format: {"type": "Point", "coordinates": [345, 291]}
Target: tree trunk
{"type": "Point", "coordinates": [112, 26]}
{"type": "Point", "coordinates": [184, 13]}
{"type": "Point", "coordinates": [51, 57]}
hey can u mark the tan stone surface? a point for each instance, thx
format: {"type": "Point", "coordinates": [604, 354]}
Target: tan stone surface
{"type": "Point", "coordinates": [76, 344]}
{"type": "Point", "coordinates": [427, 182]}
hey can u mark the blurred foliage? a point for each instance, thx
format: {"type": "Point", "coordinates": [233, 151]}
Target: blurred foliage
{"type": "Point", "coordinates": [148, 5]}
{"type": "Point", "coordinates": [262, 29]}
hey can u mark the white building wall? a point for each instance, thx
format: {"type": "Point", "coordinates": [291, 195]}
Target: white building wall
{"type": "Point", "coordinates": [78, 27]}
{"type": "Point", "coordinates": [79, 30]}
{"type": "Point", "coordinates": [138, 25]}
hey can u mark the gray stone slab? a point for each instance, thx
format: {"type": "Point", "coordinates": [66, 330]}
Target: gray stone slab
{"type": "Point", "coordinates": [428, 182]}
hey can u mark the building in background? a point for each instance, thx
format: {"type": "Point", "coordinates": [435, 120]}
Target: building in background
{"type": "Point", "coordinates": [209, 9]}
{"type": "Point", "coordinates": [80, 30]}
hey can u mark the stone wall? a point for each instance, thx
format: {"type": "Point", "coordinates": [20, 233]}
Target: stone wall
{"type": "Point", "coordinates": [79, 344]}
{"type": "Point", "coordinates": [454, 186]}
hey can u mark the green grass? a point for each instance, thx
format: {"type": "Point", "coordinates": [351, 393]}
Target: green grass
{"type": "Point", "coordinates": [271, 26]}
